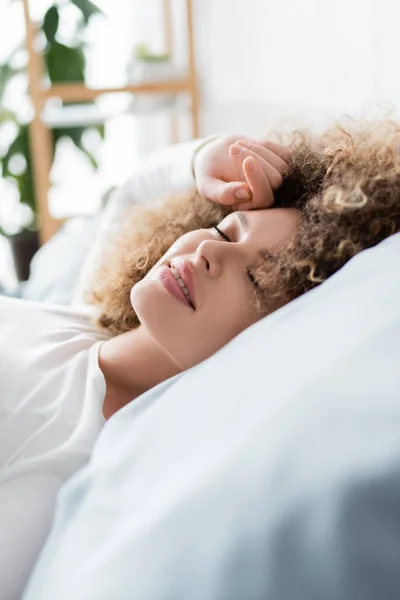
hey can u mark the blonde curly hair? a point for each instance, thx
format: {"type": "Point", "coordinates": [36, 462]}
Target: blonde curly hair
{"type": "Point", "coordinates": [346, 185]}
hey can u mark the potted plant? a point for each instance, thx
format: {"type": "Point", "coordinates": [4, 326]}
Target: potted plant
{"type": "Point", "coordinates": [146, 67]}
{"type": "Point", "coordinates": [64, 63]}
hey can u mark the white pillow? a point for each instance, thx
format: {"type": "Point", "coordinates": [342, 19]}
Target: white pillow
{"type": "Point", "coordinates": [270, 471]}
{"type": "Point", "coordinates": [56, 266]}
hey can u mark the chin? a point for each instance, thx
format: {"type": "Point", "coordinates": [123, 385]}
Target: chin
{"type": "Point", "coordinates": [148, 305]}
{"type": "Point", "coordinates": [133, 297]}
{"type": "Point", "coordinates": [140, 299]}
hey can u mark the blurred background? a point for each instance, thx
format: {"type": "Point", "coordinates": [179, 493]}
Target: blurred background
{"type": "Point", "coordinates": [88, 88]}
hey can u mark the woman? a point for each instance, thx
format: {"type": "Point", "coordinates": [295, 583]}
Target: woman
{"type": "Point", "coordinates": [193, 292]}
{"type": "Point", "coordinates": [54, 388]}
{"type": "Point", "coordinates": [180, 283]}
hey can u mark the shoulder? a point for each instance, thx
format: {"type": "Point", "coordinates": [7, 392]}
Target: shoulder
{"type": "Point", "coordinates": [25, 319]}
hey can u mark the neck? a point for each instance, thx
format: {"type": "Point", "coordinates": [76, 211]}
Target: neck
{"type": "Point", "coordinates": [132, 363]}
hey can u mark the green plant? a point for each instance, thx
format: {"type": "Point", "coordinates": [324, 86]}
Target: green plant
{"type": "Point", "coordinates": [64, 63]}
{"type": "Point", "coordinates": [143, 52]}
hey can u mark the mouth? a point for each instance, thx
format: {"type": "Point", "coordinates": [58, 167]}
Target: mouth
{"type": "Point", "coordinates": [176, 277]}
{"type": "Point", "coordinates": [182, 276]}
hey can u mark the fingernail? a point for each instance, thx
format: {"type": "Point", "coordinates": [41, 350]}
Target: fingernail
{"type": "Point", "coordinates": [242, 194]}
{"type": "Point", "coordinates": [237, 149]}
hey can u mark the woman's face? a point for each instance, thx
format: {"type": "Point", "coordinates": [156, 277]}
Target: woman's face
{"type": "Point", "coordinates": [199, 295]}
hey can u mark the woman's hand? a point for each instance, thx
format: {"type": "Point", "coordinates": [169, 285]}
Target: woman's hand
{"type": "Point", "coordinates": [240, 172]}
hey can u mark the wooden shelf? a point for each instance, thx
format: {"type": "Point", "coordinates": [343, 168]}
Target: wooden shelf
{"type": "Point", "coordinates": [76, 92]}
{"type": "Point", "coordinates": [40, 138]}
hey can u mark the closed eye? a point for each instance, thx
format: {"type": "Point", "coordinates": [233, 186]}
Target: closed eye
{"type": "Point", "coordinates": [222, 234]}
{"type": "Point", "coordinates": [251, 277]}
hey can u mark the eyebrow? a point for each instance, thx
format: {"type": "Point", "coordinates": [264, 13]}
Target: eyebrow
{"type": "Point", "coordinates": [244, 221]}
{"type": "Point", "coordinates": [245, 224]}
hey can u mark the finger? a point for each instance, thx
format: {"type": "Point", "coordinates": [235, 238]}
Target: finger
{"type": "Point", "coordinates": [268, 155]}
{"type": "Point", "coordinates": [243, 206]}
{"type": "Point", "coordinates": [273, 174]}
{"type": "Point", "coordinates": [223, 192]}
{"type": "Point", "coordinates": [261, 190]}
{"type": "Point", "coordinates": [284, 152]}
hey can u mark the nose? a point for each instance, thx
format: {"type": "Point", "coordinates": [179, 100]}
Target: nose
{"type": "Point", "coordinates": [211, 255]}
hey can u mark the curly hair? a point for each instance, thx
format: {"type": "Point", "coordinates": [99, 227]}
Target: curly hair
{"type": "Point", "coordinates": [346, 185]}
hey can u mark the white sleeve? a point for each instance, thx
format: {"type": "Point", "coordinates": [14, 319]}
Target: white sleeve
{"type": "Point", "coordinates": [161, 175]}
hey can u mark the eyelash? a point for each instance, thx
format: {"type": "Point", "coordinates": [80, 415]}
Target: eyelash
{"type": "Point", "coordinates": [223, 235]}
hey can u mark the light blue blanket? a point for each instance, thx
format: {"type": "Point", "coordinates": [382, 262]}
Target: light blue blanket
{"type": "Point", "coordinates": [269, 472]}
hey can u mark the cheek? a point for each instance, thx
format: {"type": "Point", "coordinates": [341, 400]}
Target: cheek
{"type": "Point", "coordinates": [230, 311]}
{"type": "Point", "coordinates": [190, 338]}
{"type": "Point", "coordinates": [186, 244]}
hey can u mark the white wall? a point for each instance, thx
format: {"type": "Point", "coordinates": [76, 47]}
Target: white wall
{"type": "Point", "coordinates": [261, 64]}
{"type": "Point", "coordinates": [261, 61]}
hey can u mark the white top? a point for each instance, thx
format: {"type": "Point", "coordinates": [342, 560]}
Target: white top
{"type": "Point", "coordinates": [52, 389]}
{"type": "Point", "coordinates": [52, 392]}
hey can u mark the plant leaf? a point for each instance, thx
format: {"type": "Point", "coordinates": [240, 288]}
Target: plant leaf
{"type": "Point", "coordinates": [20, 145]}
{"type": "Point", "coordinates": [101, 129]}
{"type": "Point", "coordinates": [89, 155]}
{"type": "Point", "coordinates": [65, 63]}
{"type": "Point", "coordinates": [75, 134]}
{"type": "Point", "coordinates": [50, 23]}
{"type": "Point", "coordinates": [87, 8]}
{"type": "Point", "coordinates": [6, 115]}
{"type": "Point", "coordinates": [24, 180]}
{"type": "Point", "coordinates": [6, 73]}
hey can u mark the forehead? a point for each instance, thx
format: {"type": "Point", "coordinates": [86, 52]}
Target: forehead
{"type": "Point", "coordinates": [266, 228]}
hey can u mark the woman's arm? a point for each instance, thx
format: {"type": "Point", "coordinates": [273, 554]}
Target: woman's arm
{"type": "Point", "coordinates": [163, 174]}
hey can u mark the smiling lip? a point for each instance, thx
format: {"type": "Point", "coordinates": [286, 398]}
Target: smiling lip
{"type": "Point", "coordinates": [169, 282]}
{"type": "Point", "coordinates": [185, 272]}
